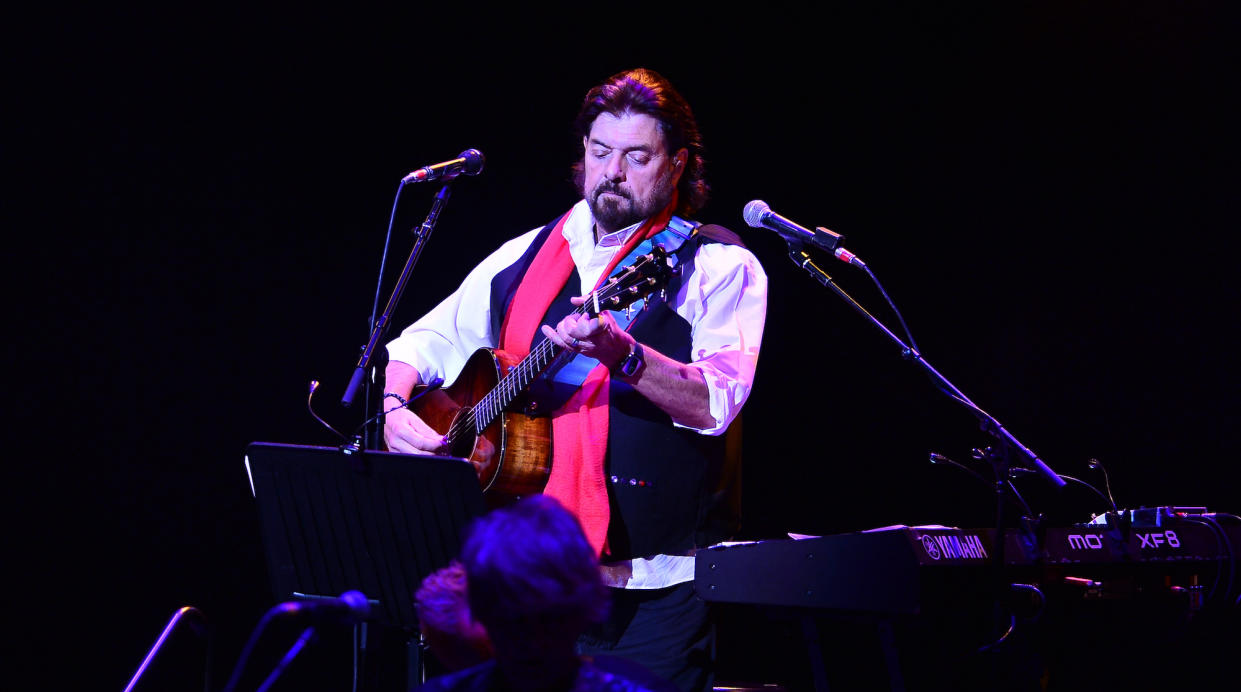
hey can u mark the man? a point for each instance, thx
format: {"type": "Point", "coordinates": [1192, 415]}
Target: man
{"type": "Point", "coordinates": [638, 443]}
{"type": "Point", "coordinates": [534, 583]}
{"type": "Point", "coordinates": [455, 638]}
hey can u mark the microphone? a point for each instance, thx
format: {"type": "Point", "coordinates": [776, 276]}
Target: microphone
{"type": "Point", "coordinates": [350, 609]}
{"type": "Point", "coordinates": [758, 214]}
{"type": "Point", "coordinates": [470, 163]}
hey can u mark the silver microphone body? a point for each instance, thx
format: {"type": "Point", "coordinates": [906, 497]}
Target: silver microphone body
{"type": "Point", "coordinates": [758, 214]}
{"type": "Point", "coordinates": [469, 163]}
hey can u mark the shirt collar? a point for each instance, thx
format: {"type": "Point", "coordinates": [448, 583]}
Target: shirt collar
{"type": "Point", "coordinates": [618, 238]}
{"type": "Point", "coordinates": [580, 229]}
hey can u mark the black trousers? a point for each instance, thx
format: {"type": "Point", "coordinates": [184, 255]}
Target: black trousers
{"type": "Point", "coordinates": [669, 631]}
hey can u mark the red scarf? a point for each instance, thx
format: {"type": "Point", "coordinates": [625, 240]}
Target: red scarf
{"type": "Point", "coordinates": [580, 427]}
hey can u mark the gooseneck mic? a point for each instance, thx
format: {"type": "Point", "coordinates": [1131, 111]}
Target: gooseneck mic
{"type": "Point", "coordinates": [470, 163]}
{"type": "Point", "coordinates": [758, 214]}
{"type": "Point", "coordinates": [350, 609]}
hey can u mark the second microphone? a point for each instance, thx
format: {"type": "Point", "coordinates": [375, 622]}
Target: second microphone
{"type": "Point", "coordinates": [469, 163]}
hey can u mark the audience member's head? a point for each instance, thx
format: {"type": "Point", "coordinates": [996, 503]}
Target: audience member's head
{"type": "Point", "coordinates": [455, 638]}
{"type": "Point", "coordinates": [534, 583]}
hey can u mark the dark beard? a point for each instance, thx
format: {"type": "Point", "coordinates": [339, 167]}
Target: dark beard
{"type": "Point", "coordinates": [613, 215]}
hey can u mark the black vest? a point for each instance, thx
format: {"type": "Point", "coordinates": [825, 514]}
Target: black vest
{"type": "Point", "coordinates": [670, 489]}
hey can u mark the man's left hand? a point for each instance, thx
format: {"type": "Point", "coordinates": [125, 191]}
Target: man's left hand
{"type": "Point", "coordinates": [598, 337]}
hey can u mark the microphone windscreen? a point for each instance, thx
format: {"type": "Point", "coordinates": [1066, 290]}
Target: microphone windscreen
{"type": "Point", "coordinates": [754, 211]}
{"type": "Point", "coordinates": [473, 161]}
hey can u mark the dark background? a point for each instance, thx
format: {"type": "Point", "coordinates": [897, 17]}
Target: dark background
{"type": "Point", "coordinates": [1046, 192]}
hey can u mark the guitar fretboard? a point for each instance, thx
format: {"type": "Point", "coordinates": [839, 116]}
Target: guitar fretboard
{"type": "Point", "coordinates": [619, 292]}
{"type": "Point", "coordinates": [515, 382]}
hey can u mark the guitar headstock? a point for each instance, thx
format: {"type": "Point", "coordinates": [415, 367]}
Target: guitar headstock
{"type": "Point", "coordinates": [648, 274]}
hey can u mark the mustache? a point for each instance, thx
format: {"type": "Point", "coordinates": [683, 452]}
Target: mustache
{"type": "Point", "coordinates": [609, 186]}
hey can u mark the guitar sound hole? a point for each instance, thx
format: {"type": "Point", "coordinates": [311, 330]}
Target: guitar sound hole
{"type": "Point", "coordinates": [462, 447]}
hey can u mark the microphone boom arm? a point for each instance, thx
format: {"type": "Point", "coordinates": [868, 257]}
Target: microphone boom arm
{"type": "Point", "coordinates": [987, 422]}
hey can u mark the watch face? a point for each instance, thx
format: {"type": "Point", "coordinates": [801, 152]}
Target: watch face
{"type": "Point", "coordinates": [630, 365]}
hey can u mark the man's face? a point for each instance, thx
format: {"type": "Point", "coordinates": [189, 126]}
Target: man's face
{"type": "Point", "coordinates": [629, 175]}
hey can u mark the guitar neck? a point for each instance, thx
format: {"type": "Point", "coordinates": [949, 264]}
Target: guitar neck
{"type": "Point", "coordinates": [517, 379]}
{"type": "Point", "coordinates": [635, 282]}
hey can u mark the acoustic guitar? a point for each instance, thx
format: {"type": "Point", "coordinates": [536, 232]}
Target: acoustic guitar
{"type": "Point", "coordinates": [510, 448]}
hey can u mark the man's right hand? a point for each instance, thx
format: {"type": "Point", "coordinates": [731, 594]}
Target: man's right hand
{"type": "Point", "coordinates": [405, 432]}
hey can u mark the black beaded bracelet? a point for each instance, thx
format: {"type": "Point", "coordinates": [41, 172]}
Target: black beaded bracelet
{"type": "Point", "coordinates": [398, 397]}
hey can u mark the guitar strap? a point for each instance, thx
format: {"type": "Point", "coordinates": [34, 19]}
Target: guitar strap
{"type": "Point", "coordinates": [573, 371]}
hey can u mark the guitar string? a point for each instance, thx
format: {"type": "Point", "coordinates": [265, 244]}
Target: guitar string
{"type": "Point", "coordinates": [513, 383]}
{"type": "Point", "coordinates": [487, 408]}
{"type": "Point", "coordinates": [492, 404]}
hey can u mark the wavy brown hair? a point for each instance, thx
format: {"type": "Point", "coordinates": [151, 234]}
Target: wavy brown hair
{"type": "Point", "coordinates": [648, 92]}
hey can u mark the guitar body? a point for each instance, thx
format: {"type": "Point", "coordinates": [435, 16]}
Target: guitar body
{"type": "Point", "coordinates": [512, 455]}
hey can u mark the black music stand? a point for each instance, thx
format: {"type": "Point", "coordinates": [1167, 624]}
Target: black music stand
{"type": "Point", "coordinates": [376, 522]}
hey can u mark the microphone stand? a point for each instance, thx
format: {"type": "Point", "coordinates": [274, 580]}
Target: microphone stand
{"type": "Point", "coordinates": [379, 326]}
{"type": "Point", "coordinates": [308, 636]}
{"type": "Point", "coordinates": [988, 423]}
{"type": "Point", "coordinates": [199, 627]}
{"type": "Point", "coordinates": [1001, 461]}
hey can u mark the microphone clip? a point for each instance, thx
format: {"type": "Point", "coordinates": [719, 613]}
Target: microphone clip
{"type": "Point", "coordinates": [822, 239]}
{"type": "Point", "coordinates": [826, 239]}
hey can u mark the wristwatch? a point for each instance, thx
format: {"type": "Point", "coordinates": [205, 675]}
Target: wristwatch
{"type": "Point", "coordinates": [634, 361]}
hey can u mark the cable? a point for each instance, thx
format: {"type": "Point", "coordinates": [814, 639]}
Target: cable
{"type": "Point", "coordinates": [1106, 498]}
{"type": "Point", "coordinates": [431, 386]}
{"type": "Point", "coordinates": [1041, 601]}
{"type": "Point", "coordinates": [314, 385]}
{"type": "Point", "coordinates": [1230, 557]}
{"type": "Point", "coordinates": [1096, 464]}
{"type": "Point", "coordinates": [249, 648]}
{"type": "Point", "coordinates": [1012, 626]}
{"type": "Point", "coordinates": [937, 458]}
{"type": "Point", "coordinates": [899, 318]}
